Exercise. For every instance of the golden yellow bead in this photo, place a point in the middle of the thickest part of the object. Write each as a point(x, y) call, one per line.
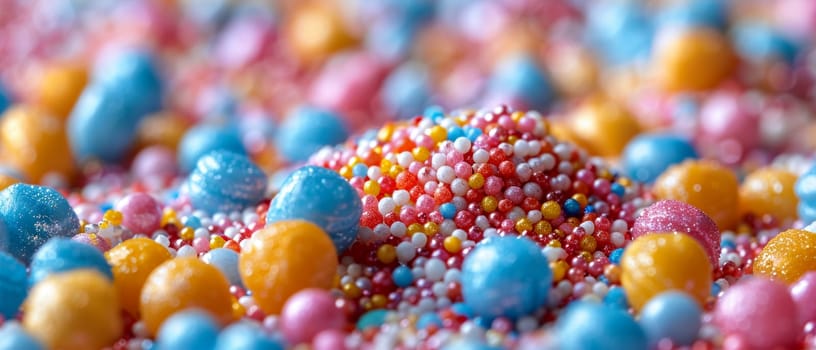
point(351, 290)
point(104, 224)
point(385, 133)
point(238, 310)
point(588, 243)
point(438, 133)
point(421, 154)
point(581, 199)
point(354, 161)
point(372, 188)
point(414, 228)
point(543, 228)
point(379, 301)
point(386, 253)
point(523, 224)
point(554, 243)
point(559, 269)
point(394, 171)
point(431, 228)
point(476, 181)
point(452, 244)
point(168, 215)
point(113, 217)
point(187, 233)
point(216, 242)
point(550, 210)
point(345, 171)
point(490, 204)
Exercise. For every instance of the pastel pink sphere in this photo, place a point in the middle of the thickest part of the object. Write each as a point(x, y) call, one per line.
point(309, 312)
point(141, 213)
point(675, 216)
point(728, 129)
point(330, 339)
point(804, 294)
point(760, 312)
point(155, 162)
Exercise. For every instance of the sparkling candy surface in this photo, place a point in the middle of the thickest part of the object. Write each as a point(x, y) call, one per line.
point(224, 182)
point(769, 192)
point(673, 216)
point(655, 263)
point(706, 185)
point(205, 138)
point(788, 256)
point(132, 261)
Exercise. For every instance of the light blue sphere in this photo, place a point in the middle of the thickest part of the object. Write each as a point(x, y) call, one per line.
point(103, 124)
point(225, 182)
point(135, 74)
point(323, 197)
point(189, 329)
point(596, 326)
point(246, 336)
point(5, 99)
point(805, 189)
point(33, 215)
point(308, 129)
point(695, 13)
point(14, 337)
point(62, 254)
point(761, 42)
point(621, 31)
point(205, 138)
point(506, 276)
point(521, 77)
point(649, 155)
point(226, 260)
point(13, 286)
point(407, 90)
point(671, 315)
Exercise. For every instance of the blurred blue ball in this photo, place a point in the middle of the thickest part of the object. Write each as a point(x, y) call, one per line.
point(429, 319)
point(468, 344)
point(649, 155)
point(135, 74)
point(33, 214)
point(506, 277)
point(205, 138)
point(189, 329)
point(5, 99)
point(225, 182)
point(103, 124)
point(61, 254)
point(758, 42)
point(616, 297)
point(306, 130)
point(14, 337)
point(226, 260)
point(323, 197)
point(595, 326)
point(407, 90)
point(805, 189)
point(246, 336)
point(13, 286)
point(521, 77)
point(695, 13)
point(672, 315)
point(391, 39)
point(372, 319)
point(621, 31)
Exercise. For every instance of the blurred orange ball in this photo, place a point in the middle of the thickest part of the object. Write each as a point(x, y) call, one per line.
point(573, 69)
point(602, 127)
point(656, 263)
point(35, 143)
point(707, 185)
point(132, 262)
point(184, 283)
point(163, 129)
point(58, 88)
point(692, 60)
point(788, 256)
point(75, 310)
point(6, 181)
point(769, 191)
point(316, 30)
point(285, 258)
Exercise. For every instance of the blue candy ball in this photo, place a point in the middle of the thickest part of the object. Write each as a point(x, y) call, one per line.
point(225, 182)
point(671, 315)
point(594, 326)
point(61, 254)
point(5, 99)
point(133, 73)
point(13, 286)
point(506, 277)
point(520, 76)
point(226, 260)
point(391, 39)
point(246, 336)
point(407, 90)
point(190, 329)
point(33, 214)
point(14, 337)
point(695, 13)
point(205, 138)
point(621, 31)
point(402, 276)
point(372, 319)
point(760, 42)
point(805, 189)
point(307, 130)
point(429, 319)
point(616, 297)
point(649, 155)
point(468, 344)
point(323, 197)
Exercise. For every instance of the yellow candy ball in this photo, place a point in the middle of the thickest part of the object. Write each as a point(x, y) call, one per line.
point(707, 185)
point(788, 256)
point(35, 143)
point(655, 263)
point(769, 191)
point(59, 88)
point(184, 283)
point(132, 262)
point(692, 60)
point(74, 310)
point(602, 127)
point(284, 258)
point(315, 31)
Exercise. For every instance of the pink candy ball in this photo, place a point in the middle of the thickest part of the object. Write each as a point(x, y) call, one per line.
point(140, 213)
point(676, 216)
point(759, 312)
point(330, 339)
point(308, 313)
point(728, 129)
point(155, 162)
point(804, 294)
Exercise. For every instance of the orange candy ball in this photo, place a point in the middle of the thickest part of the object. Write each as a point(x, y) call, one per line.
point(788, 256)
point(74, 310)
point(692, 60)
point(769, 191)
point(35, 143)
point(59, 87)
point(7, 180)
point(284, 258)
point(602, 127)
point(185, 283)
point(132, 262)
point(707, 185)
point(659, 262)
point(316, 30)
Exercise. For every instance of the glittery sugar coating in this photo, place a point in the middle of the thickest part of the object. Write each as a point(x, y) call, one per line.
point(788, 256)
point(321, 196)
point(223, 181)
point(33, 214)
point(675, 216)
